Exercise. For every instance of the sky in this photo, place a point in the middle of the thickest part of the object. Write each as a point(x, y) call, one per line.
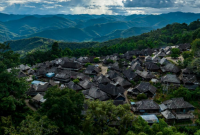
point(111, 7)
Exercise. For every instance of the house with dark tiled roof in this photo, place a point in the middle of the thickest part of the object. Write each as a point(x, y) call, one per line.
point(86, 84)
point(83, 60)
point(21, 74)
point(145, 75)
point(62, 77)
point(170, 67)
point(184, 47)
point(92, 70)
point(112, 74)
point(146, 107)
point(156, 59)
point(40, 88)
point(150, 66)
point(144, 87)
point(73, 86)
point(115, 67)
point(136, 66)
point(96, 93)
point(164, 62)
point(148, 59)
point(181, 109)
point(111, 89)
point(130, 75)
point(122, 82)
point(101, 79)
point(71, 65)
point(170, 78)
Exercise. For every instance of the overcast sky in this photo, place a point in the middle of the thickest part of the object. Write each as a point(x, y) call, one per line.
point(116, 7)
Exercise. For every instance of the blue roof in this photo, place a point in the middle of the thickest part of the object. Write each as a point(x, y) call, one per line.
point(35, 82)
point(150, 118)
point(132, 103)
point(50, 75)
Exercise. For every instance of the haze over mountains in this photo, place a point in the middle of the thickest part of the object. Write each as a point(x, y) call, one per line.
point(80, 28)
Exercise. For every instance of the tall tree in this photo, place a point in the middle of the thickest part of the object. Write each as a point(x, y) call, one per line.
point(64, 108)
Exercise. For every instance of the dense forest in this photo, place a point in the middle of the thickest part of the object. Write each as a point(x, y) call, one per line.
point(172, 34)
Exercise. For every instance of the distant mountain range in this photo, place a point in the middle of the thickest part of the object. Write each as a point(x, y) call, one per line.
point(83, 28)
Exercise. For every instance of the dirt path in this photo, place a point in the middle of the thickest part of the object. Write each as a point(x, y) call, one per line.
point(125, 94)
point(32, 108)
point(103, 68)
point(175, 60)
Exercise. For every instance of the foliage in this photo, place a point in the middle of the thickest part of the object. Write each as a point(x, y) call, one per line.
point(196, 47)
point(195, 66)
point(187, 54)
point(76, 81)
point(175, 52)
point(96, 60)
point(32, 126)
point(141, 96)
point(101, 115)
point(64, 108)
point(12, 88)
point(134, 57)
point(87, 64)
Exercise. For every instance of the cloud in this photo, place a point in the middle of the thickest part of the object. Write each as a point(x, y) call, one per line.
point(123, 7)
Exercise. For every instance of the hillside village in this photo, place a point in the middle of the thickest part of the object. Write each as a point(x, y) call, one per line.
point(141, 78)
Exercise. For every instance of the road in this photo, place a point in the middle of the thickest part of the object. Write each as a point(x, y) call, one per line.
point(103, 68)
point(175, 60)
point(32, 108)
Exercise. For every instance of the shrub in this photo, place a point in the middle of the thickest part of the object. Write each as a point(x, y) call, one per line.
point(76, 81)
point(96, 60)
point(87, 64)
point(141, 96)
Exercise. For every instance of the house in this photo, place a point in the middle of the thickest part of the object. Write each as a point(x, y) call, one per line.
point(184, 47)
point(151, 66)
point(120, 97)
point(170, 68)
point(111, 89)
point(130, 75)
point(96, 93)
point(86, 84)
point(186, 71)
point(24, 67)
point(21, 74)
point(83, 60)
point(150, 119)
point(148, 59)
point(37, 100)
point(40, 87)
point(161, 54)
point(171, 79)
point(181, 109)
point(41, 72)
point(146, 107)
point(169, 116)
point(72, 65)
point(156, 59)
point(62, 77)
point(137, 60)
point(145, 75)
point(92, 70)
point(112, 74)
point(115, 66)
point(122, 82)
point(136, 66)
point(189, 79)
point(101, 79)
point(118, 102)
point(164, 62)
point(73, 86)
point(146, 88)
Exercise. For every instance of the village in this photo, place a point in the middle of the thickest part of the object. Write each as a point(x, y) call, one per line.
point(136, 78)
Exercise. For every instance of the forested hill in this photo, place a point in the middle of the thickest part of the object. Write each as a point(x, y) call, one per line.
point(85, 28)
point(172, 34)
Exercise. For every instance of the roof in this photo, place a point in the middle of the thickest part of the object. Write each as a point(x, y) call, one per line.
point(136, 66)
point(121, 81)
point(145, 74)
point(74, 86)
point(151, 66)
point(112, 74)
point(96, 93)
point(170, 68)
point(150, 118)
point(129, 74)
point(111, 89)
point(146, 86)
point(101, 79)
point(168, 115)
point(163, 107)
point(147, 105)
point(39, 98)
point(91, 69)
point(164, 61)
point(70, 64)
point(86, 84)
point(169, 78)
point(156, 59)
point(118, 102)
point(148, 58)
point(177, 103)
point(188, 78)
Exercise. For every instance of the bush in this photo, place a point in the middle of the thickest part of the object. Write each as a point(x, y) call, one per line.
point(141, 96)
point(76, 81)
point(175, 52)
point(134, 57)
point(109, 61)
point(96, 60)
point(87, 64)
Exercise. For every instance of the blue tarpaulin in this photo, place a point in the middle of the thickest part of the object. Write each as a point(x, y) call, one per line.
point(50, 75)
point(35, 82)
point(150, 118)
